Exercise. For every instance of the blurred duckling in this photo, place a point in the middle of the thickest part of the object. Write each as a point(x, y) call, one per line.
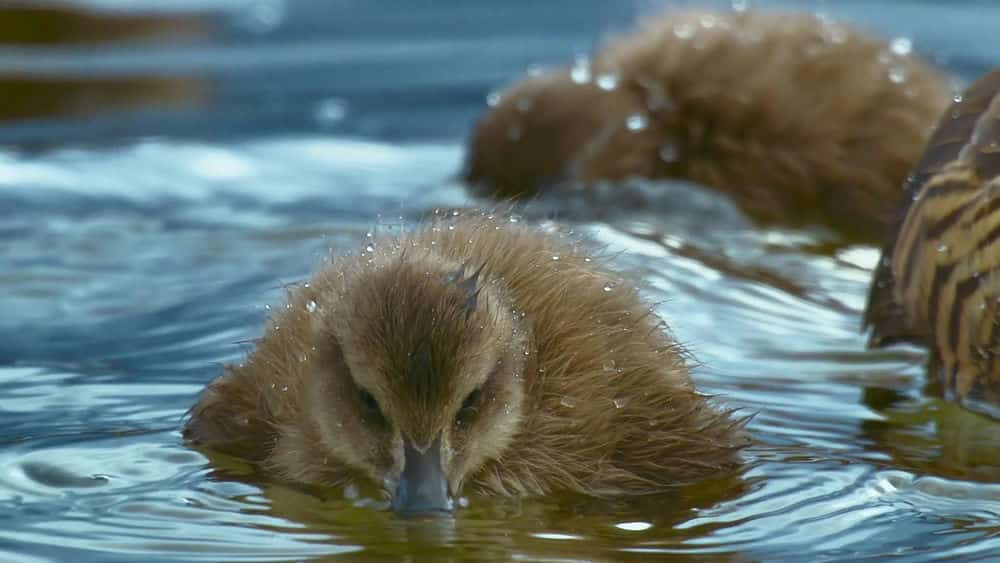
point(798, 119)
point(475, 354)
point(938, 283)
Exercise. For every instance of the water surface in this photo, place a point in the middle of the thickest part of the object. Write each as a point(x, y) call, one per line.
point(160, 187)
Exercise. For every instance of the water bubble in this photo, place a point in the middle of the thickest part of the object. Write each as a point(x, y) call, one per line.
point(555, 258)
point(902, 46)
point(493, 99)
point(708, 21)
point(568, 402)
point(311, 306)
point(369, 248)
point(956, 98)
point(943, 248)
point(607, 81)
point(580, 73)
point(636, 122)
point(740, 5)
point(607, 288)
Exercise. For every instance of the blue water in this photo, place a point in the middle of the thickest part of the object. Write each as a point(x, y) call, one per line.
point(142, 241)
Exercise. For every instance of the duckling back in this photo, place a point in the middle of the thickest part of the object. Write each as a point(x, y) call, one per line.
point(799, 120)
point(938, 283)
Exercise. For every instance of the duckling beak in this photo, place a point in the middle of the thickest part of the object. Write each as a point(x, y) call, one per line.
point(423, 487)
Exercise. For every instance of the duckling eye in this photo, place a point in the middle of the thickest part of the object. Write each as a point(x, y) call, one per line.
point(368, 400)
point(469, 407)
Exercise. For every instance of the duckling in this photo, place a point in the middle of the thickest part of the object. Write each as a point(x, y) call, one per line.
point(476, 354)
point(798, 119)
point(938, 283)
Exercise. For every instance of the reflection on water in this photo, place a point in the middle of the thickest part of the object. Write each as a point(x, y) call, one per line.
point(130, 273)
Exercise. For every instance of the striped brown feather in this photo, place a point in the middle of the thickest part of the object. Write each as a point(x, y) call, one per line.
point(883, 314)
point(938, 283)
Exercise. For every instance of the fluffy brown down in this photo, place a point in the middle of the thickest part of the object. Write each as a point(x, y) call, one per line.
point(603, 402)
point(800, 120)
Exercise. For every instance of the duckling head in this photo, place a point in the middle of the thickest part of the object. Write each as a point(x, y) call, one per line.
point(419, 378)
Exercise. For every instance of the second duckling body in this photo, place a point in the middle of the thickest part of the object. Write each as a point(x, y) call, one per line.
point(478, 354)
point(798, 119)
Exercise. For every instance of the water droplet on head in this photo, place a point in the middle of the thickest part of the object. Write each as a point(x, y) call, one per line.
point(897, 74)
point(607, 288)
point(369, 248)
point(580, 73)
point(311, 306)
point(493, 99)
point(607, 81)
point(668, 153)
point(835, 34)
point(636, 122)
point(956, 98)
point(901, 46)
point(568, 402)
point(555, 258)
point(943, 248)
point(619, 402)
point(684, 31)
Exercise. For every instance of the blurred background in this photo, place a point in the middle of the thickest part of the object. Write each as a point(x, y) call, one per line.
point(97, 70)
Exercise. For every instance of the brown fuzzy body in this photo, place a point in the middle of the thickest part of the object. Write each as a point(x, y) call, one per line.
point(797, 119)
point(938, 283)
point(608, 405)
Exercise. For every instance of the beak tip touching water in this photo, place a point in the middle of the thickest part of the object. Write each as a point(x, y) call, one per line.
point(422, 489)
